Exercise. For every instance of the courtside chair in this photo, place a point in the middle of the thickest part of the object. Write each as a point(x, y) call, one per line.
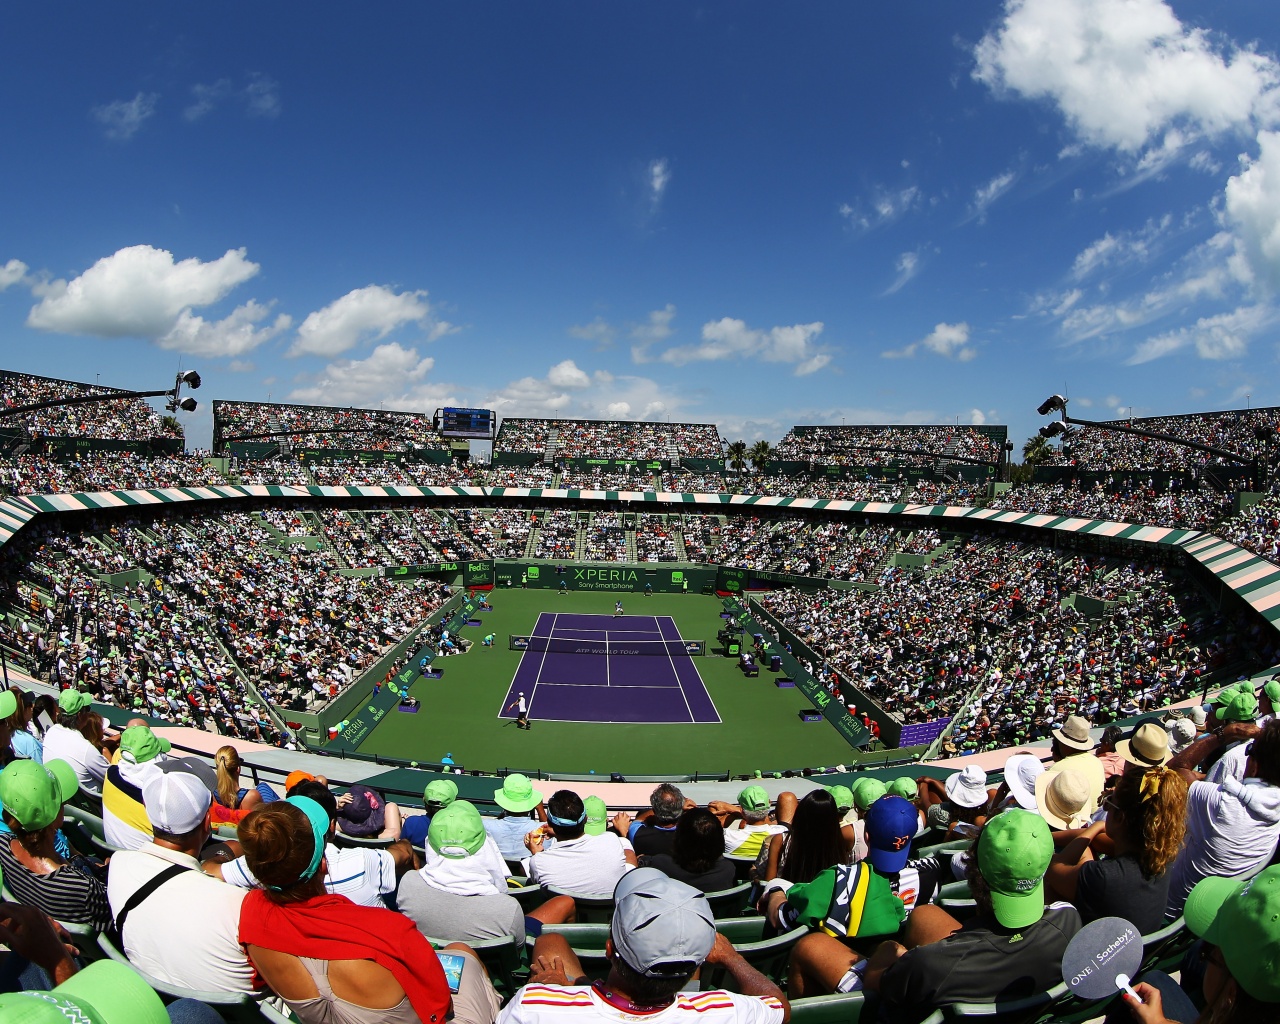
point(239, 1008)
point(591, 909)
point(840, 1008)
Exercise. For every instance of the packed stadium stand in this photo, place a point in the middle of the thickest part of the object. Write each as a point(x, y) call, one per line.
point(1091, 664)
point(323, 427)
point(126, 419)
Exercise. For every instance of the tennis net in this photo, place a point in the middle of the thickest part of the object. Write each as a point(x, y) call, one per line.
point(613, 648)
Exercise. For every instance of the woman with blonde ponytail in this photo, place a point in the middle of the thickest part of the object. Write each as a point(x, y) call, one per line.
point(1146, 820)
point(230, 794)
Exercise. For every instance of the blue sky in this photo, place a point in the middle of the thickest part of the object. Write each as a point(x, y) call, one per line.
point(752, 214)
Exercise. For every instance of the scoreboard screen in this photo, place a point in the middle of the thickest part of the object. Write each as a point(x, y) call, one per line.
point(473, 423)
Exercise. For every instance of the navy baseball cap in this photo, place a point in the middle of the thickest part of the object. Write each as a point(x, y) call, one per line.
point(892, 823)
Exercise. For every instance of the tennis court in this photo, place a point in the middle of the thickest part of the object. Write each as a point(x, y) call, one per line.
point(604, 668)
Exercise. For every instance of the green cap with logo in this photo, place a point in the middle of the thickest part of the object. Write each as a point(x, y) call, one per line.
point(34, 793)
point(440, 793)
point(842, 795)
point(597, 816)
point(74, 701)
point(1271, 688)
point(905, 787)
point(1243, 920)
point(456, 831)
point(1236, 705)
point(1014, 851)
point(754, 800)
point(105, 992)
point(867, 791)
point(138, 745)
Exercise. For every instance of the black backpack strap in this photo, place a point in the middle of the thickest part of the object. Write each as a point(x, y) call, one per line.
point(173, 871)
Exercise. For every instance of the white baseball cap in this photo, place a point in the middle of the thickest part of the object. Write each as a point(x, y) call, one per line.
point(176, 802)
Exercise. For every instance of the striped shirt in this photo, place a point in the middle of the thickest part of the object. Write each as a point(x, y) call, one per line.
point(363, 876)
point(572, 1004)
point(66, 895)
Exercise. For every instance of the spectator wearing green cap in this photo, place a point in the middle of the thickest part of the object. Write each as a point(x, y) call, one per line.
point(64, 740)
point(124, 818)
point(1012, 948)
point(1239, 922)
point(746, 824)
point(440, 793)
point(68, 890)
point(1232, 826)
point(522, 813)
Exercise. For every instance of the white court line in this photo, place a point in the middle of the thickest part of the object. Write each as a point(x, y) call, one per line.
point(640, 686)
point(538, 678)
point(679, 682)
point(676, 675)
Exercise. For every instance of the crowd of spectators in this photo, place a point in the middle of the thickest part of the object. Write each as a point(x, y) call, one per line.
point(912, 446)
point(1197, 508)
point(596, 480)
point(605, 539)
point(609, 439)
point(351, 429)
point(125, 419)
point(657, 540)
point(104, 471)
point(557, 534)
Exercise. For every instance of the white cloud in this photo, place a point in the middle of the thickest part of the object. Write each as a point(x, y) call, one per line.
point(1124, 73)
point(363, 314)
point(948, 340)
point(139, 291)
point(390, 374)
point(729, 338)
point(599, 331)
point(976, 417)
point(883, 206)
point(121, 119)
point(234, 335)
point(205, 97)
point(567, 375)
point(11, 273)
point(985, 195)
point(1253, 210)
point(262, 96)
point(658, 179)
point(656, 328)
point(1224, 336)
point(907, 266)
point(1121, 248)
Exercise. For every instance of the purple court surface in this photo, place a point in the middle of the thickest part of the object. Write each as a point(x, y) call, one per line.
point(663, 688)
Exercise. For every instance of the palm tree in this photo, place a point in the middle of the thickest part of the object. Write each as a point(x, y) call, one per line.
point(1036, 451)
point(760, 455)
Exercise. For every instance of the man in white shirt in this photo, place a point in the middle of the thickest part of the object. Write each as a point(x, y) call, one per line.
point(362, 875)
point(186, 930)
point(580, 863)
point(64, 742)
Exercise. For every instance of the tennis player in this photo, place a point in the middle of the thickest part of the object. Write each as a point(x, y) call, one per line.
point(522, 711)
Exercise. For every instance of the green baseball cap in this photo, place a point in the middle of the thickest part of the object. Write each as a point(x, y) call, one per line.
point(867, 791)
point(138, 745)
point(842, 795)
point(597, 816)
point(1236, 706)
point(8, 703)
point(754, 800)
point(1271, 688)
point(905, 787)
point(72, 701)
point(456, 831)
point(517, 794)
point(1243, 920)
point(34, 794)
point(441, 792)
point(105, 992)
point(1013, 854)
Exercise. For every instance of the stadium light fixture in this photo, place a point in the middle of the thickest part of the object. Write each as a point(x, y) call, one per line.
point(1054, 403)
point(1054, 429)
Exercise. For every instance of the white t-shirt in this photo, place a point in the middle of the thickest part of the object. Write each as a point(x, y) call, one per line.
point(363, 876)
point(1232, 763)
point(63, 744)
point(590, 865)
point(574, 1004)
point(185, 933)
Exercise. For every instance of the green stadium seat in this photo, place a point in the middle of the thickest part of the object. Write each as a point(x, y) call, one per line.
point(840, 1008)
point(729, 902)
point(530, 897)
point(237, 1009)
point(591, 909)
point(1166, 946)
point(586, 941)
point(768, 956)
point(343, 841)
point(90, 828)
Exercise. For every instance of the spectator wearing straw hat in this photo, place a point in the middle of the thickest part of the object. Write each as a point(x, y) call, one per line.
point(1232, 826)
point(1072, 749)
point(1011, 949)
point(439, 794)
point(522, 813)
point(1147, 747)
point(1061, 798)
point(1240, 925)
point(661, 932)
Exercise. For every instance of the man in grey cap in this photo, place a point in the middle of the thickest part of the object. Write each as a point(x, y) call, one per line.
point(662, 932)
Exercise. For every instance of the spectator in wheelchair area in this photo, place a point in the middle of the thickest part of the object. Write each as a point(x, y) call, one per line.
point(662, 931)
